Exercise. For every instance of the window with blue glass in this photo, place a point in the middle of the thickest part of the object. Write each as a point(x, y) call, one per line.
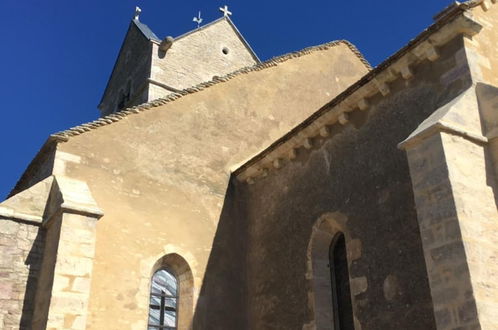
point(163, 301)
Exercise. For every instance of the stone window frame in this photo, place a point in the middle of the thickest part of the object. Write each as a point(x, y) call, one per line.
point(179, 267)
point(320, 302)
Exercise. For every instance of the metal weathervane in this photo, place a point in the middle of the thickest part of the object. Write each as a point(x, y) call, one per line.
point(137, 13)
point(198, 19)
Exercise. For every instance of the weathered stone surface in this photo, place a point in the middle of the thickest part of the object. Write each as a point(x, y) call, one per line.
point(163, 177)
point(219, 128)
point(144, 73)
point(361, 173)
point(21, 247)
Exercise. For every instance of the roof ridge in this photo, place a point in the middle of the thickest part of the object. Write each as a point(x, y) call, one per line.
point(63, 136)
point(146, 30)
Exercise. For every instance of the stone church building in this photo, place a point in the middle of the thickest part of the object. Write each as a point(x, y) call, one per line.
point(310, 191)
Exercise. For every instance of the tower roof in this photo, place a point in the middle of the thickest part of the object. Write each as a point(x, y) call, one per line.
point(147, 32)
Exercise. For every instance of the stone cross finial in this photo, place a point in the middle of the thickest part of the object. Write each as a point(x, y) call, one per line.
point(137, 12)
point(198, 19)
point(225, 11)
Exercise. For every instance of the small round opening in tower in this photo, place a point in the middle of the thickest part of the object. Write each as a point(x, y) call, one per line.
point(225, 50)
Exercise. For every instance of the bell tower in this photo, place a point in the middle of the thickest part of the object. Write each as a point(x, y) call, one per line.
point(149, 68)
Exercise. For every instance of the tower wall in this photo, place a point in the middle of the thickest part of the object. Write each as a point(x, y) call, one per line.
point(128, 84)
point(215, 50)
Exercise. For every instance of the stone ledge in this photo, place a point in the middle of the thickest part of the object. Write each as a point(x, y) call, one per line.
point(10, 214)
point(48, 198)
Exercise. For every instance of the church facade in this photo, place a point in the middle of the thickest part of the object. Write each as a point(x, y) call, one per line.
point(310, 191)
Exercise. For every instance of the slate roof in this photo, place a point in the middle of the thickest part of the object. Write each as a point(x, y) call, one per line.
point(147, 32)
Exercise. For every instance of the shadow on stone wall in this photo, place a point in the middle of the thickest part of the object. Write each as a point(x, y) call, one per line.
point(487, 97)
point(222, 298)
point(33, 263)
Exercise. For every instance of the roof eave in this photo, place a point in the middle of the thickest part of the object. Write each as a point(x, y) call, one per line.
point(450, 16)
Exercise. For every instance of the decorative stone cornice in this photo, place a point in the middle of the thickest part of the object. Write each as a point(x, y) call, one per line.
point(163, 85)
point(8, 213)
point(454, 22)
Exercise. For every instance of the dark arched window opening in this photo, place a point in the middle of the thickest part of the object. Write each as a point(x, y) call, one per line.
point(121, 100)
point(163, 301)
point(339, 276)
point(128, 92)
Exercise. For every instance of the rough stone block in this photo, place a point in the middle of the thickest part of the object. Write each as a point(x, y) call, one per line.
point(81, 284)
point(358, 285)
point(8, 227)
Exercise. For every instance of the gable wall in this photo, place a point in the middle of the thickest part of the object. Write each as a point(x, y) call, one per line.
point(161, 178)
point(198, 57)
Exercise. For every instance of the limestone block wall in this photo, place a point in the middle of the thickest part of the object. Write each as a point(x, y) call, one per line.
point(215, 50)
point(474, 185)
point(63, 294)
point(456, 207)
point(453, 172)
point(447, 263)
point(357, 180)
point(161, 176)
point(47, 239)
point(483, 46)
point(21, 252)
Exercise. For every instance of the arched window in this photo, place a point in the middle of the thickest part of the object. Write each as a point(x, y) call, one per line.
point(128, 91)
point(332, 304)
point(163, 301)
point(339, 278)
point(121, 100)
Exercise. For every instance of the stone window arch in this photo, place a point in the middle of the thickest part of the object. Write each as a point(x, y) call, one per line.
point(328, 272)
point(175, 270)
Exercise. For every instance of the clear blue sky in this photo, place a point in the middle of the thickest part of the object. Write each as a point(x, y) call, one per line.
point(56, 55)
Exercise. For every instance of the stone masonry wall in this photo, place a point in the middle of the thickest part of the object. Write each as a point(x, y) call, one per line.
point(133, 67)
point(454, 181)
point(21, 251)
point(445, 256)
point(483, 46)
point(198, 57)
point(359, 173)
point(67, 285)
point(161, 177)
